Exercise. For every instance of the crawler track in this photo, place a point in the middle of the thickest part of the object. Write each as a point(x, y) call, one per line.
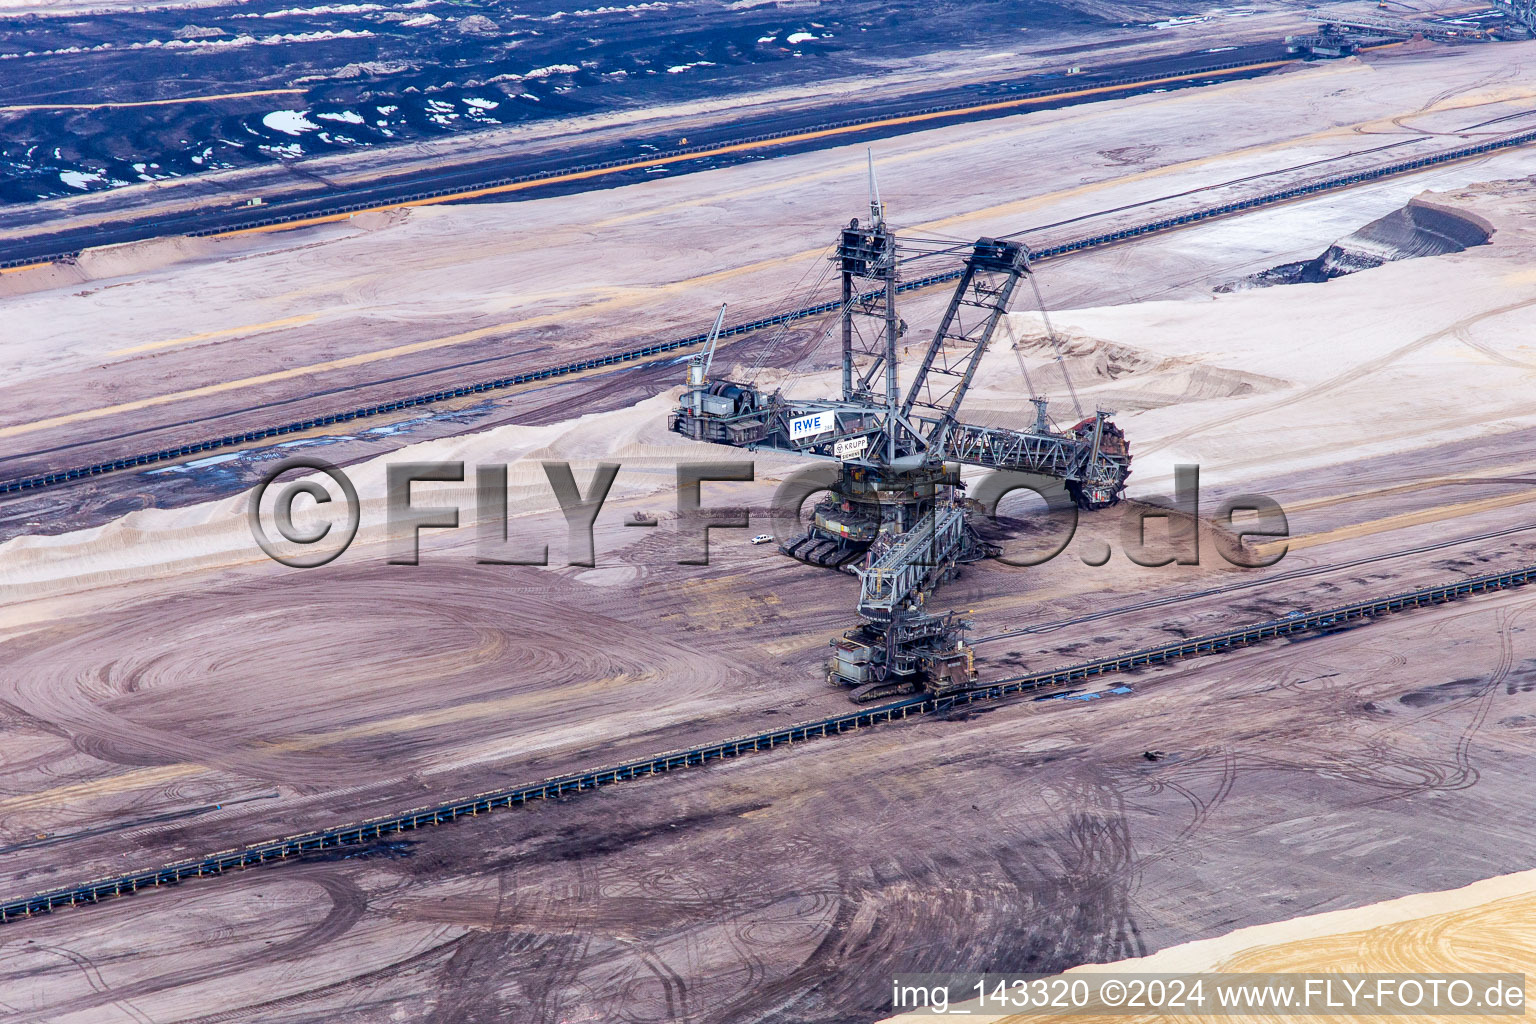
point(54, 478)
point(372, 831)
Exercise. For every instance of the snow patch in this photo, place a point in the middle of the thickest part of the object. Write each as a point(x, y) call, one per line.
point(246, 40)
point(290, 122)
point(553, 69)
point(294, 12)
point(597, 12)
point(81, 179)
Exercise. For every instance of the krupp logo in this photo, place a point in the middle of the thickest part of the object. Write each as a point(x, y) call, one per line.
point(333, 516)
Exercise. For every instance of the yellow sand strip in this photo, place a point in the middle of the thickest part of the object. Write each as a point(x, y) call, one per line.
point(1486, 927)
point(276, 375)
point(1402, 521)
point(78, 791)
point(444, 716)
point(363, 358)
point(144, 778)
point(1509, 470)
point(302, 318)
point(742, 147)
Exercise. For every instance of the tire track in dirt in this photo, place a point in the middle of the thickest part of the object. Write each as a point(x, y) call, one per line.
point(348, 905)
point(299, 1000)
point(1337, 381)
point(439, 664)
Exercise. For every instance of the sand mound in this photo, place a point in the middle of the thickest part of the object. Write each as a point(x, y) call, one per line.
point(1435, 931)
point(1183, 384)
point(137, 257)
point(1485, 927)
point(1142, 379)
point(40, 279)
point(157, 543)
point(1048, 361)
point(1105, 360)
point(109, 261)
point(379, 220)
point(1422, 228)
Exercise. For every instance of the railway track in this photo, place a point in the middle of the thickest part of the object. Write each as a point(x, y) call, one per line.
point(1171, 223)
point(365, 833)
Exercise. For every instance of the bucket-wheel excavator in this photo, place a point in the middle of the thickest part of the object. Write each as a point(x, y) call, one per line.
point(894, 515)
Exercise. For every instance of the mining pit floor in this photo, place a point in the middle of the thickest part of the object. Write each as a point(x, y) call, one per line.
point(169, 691)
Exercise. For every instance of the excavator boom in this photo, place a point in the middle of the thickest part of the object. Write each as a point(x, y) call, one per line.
point(980, 299)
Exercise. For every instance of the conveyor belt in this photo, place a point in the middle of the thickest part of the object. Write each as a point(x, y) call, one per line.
point(424, 196)
point(56, 477)
point(372, 831)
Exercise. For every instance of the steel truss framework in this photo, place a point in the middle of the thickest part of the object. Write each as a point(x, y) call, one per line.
point(894, 503)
